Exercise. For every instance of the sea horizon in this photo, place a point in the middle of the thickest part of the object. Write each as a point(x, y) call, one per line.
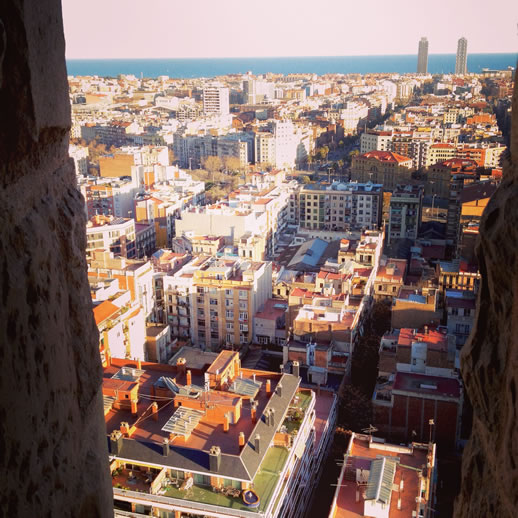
point(184, 68)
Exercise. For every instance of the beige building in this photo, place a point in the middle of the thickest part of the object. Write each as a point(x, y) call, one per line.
point(382, 167)
point(226, 294)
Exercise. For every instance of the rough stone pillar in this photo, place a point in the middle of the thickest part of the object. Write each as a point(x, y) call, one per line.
point(53, 452)
point(490, 358)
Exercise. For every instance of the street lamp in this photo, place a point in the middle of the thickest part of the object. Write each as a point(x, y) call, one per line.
point(433, 200)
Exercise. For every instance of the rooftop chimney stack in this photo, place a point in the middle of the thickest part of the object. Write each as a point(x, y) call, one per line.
point(281, 368)
point(134, 406)
point(268, 387)
point(226, 423)
point(215, 459)
point(254, 412)
point(139, 365)
point(116, 440)
point(241, 440)
point(257, 443)
point(279, 390)
point(154, 410)
point(272, 417)
point(189, 377)
point(165, 447)
point(296, 369)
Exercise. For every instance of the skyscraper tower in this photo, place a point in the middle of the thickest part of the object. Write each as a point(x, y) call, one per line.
point(461, 63)
point(422, 56)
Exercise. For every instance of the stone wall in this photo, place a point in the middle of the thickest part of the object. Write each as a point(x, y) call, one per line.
point(490, 358)
point(53, 454)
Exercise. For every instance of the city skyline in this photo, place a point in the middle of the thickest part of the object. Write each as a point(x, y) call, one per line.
point(125, 31)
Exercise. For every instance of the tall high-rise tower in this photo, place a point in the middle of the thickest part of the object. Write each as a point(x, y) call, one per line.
point(215, 100)
point(422, 56)
point(461, 63)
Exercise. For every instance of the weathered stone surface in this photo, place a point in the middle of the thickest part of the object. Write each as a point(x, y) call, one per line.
point(53, 454)
point(490, 359)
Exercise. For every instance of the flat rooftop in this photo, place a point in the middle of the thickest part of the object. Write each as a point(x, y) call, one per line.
point(361, 455)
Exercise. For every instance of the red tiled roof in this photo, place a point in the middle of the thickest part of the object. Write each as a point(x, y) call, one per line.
point(386, 156)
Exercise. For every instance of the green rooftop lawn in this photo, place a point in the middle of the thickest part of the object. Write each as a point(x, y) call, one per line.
point(264, 484)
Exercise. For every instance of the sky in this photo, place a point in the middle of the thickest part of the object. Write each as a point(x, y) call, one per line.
point(244, 28)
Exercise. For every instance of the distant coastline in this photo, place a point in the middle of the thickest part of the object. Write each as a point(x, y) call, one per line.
point(211, 67)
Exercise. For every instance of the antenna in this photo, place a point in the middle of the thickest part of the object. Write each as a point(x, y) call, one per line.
point(370, 430)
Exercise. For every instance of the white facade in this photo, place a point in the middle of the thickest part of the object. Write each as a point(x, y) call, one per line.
point(216, 100)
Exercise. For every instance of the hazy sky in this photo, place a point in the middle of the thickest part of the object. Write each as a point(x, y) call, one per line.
point(246, 28)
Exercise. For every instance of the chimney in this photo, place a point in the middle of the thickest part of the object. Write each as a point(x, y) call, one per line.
point(154, 410)
point(165, 447)
point(226, 422)
point(266, 416)
point(139, 364)
point(189, 377)
point(180, 365)
point(296, 369)
point(254, 412)
point(272, 417)
point(124, 428)
point(279, 390)
point(268, 387)
point(215, 459)
point(257, 443)
point(241, 440)
point(116, 439)
point(108, 357)
point(253, 376)
point(134, 406)
point(281, 368)
point(425, 330)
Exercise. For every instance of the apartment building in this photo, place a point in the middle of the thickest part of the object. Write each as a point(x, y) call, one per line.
point(132, 275)
point(405, 210)
point(216, 100)
point(382, 167)
point(390, 278)
point(385, 480)
point(439, 176)
point(416, 307)
point(340, 206)
point(205, 437)
point(108, 197)
point(227, 292)
point(116, 235)
point(417, 385)
point(374, 140)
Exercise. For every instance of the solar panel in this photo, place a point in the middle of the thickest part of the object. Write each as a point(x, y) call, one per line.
point(245, 387)
point(381, 478)
point(183, 421)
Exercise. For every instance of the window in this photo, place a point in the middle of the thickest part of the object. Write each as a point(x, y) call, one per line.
point(243, 305)
point(229, 314)
point(243, 316)
point(230, 326)
point(243, 294)
point(229, 293)
point(213, 302)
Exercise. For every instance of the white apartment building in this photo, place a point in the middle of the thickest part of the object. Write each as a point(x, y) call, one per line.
point(216, 100)
point(373, 140)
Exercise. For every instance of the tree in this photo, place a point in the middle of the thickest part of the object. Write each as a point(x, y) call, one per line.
point(232, 163)
point(364, 366)
point(212, 164)
point(354, 409)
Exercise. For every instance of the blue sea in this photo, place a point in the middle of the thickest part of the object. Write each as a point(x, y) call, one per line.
point(205, 67)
